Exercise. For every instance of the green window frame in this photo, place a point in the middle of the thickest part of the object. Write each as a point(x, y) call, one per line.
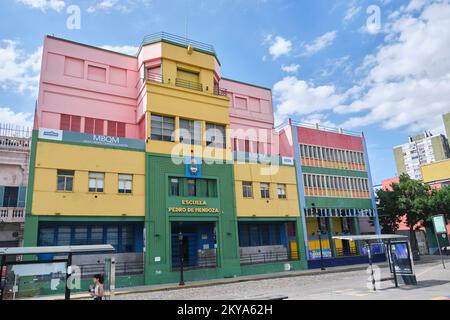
point(64, 180)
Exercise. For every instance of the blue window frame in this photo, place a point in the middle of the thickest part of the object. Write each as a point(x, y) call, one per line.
point(125, 237)
point(262, 234)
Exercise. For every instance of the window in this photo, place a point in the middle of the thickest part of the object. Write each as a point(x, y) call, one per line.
point(247, 190)
point(215, 135)
point(65, 180)
point(175, 187)
point(127, 239)
point(247, 146)
point(96, 181)
point(190, 132)
point(162, 128)
point(116, 129)
point(125, 183)
point(112, 236)
point(265, 190)
point(192, 188)
point(124, 237)
point(70, 123)
point(97, 235)
point(63, 238)
point(211, 188)
point(93, 126)
point(187, 75)
point(80, 236)
point(46, 237)
point(281, 190)
point(154, 73)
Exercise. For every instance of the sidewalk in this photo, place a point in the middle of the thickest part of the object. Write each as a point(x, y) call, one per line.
point(214, 282)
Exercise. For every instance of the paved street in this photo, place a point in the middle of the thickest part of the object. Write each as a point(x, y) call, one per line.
point(434, 283)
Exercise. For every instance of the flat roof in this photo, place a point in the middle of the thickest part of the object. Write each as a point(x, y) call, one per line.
point(371, 237)
point(57, 249)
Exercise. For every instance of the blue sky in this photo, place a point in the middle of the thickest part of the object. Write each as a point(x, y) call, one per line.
point(326, 61)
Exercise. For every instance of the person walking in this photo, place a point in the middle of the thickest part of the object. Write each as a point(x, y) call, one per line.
point(98, 291)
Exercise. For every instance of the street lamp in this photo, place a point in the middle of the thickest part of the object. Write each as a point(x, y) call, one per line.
point(180, 240)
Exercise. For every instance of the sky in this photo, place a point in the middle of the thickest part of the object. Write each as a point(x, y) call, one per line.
point(377, 66)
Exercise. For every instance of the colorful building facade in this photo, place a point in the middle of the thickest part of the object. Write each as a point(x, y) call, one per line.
point(335, 190)
point(162, 157)
point(15, 146)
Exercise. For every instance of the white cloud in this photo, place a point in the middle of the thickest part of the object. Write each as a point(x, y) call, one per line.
point(407, 82)
point(19, 71)
point(131, 50)
point(404, 84)
point(22, 119)
point(123, 6)
point(319, 43)
point(292, 68)
point(352, 11)
point(44, 5)
point(298, 97)
point(278, 46)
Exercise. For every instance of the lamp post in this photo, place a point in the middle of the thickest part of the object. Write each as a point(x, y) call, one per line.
point(180, 240)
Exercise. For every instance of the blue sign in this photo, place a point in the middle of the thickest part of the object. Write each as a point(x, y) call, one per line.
point(193, 167)
point(315, 254)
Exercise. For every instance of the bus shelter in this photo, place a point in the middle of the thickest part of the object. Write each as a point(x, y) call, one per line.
point(29, 264)
point(398, 252)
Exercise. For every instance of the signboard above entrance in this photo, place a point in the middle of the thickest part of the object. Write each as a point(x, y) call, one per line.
point(195, 206)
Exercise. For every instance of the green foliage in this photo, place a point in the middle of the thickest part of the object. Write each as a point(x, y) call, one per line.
point(411, 199)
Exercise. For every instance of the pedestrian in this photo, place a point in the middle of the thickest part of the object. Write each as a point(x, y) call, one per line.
point(97, 292)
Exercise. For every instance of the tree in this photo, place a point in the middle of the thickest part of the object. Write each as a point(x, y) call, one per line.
point(414, 204)
point(387, 209)
point(440, 202)
point(410, 199)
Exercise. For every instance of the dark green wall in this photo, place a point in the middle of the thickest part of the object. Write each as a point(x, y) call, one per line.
point(157, 221)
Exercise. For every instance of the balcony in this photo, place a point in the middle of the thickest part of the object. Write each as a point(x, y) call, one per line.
point(12, 215)
point(191, 85)
point(188, 84)
point(154, 77)
point(219, 91)
point(177, 40)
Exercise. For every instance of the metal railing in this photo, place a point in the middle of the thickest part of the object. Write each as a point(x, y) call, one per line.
point(12, 215)
point(340, 252)
point(219, 91)
point(164, 36)
point(266, 257)
point(122, 269)
point(205, 262)
point(317, 127)
point(14, 131)
point(188, 84)
point(155, 77)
